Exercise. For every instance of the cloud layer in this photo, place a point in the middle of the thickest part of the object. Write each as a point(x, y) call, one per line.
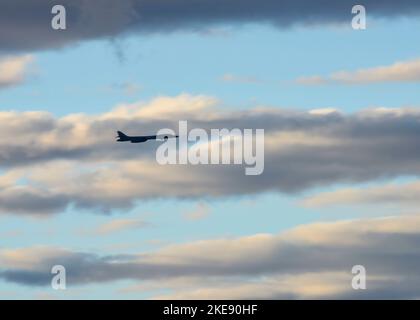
point(302, 150)
point(399, 195)
point(31, 28)
point(405, 71)
point(14, 70)
point(312, 261)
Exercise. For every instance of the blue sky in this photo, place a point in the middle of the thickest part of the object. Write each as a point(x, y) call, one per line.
point(93, 77)
point(181, 62)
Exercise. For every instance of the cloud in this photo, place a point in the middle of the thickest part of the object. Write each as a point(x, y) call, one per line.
point(324, 111)
point(400, 195)
point(119, 225)
point(303, 150)
point(228, 77)
point(14, 70)
point(311, 261)
point(108, 19)
point(125, 88)
point(406, 71)
point(200, 212)
point(30, 200)
point(166, 108)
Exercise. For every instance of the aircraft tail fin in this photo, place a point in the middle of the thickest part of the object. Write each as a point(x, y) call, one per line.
point(122, 136)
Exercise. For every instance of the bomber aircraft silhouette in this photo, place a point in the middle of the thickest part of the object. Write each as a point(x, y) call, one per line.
point(139, 139)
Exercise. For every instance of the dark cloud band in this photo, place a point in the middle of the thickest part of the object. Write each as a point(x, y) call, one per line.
point(26, 25)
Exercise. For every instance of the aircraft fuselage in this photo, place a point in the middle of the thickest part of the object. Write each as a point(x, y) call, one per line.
point(141, 139)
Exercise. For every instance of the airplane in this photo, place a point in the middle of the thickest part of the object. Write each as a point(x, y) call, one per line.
point(139, 139)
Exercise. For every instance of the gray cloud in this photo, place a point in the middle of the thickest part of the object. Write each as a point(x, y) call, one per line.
point(305, 258)
point(25, 25)
point(302, 150)
point(27, 200)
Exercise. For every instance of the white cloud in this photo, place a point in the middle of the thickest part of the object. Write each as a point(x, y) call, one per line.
point(14, 70)
point(404, 71)
point(399, 195)
point(182, 106)
point(119, 225)
point(324, 111)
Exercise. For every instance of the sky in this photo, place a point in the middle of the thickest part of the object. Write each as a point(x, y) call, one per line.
point(340, 110)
